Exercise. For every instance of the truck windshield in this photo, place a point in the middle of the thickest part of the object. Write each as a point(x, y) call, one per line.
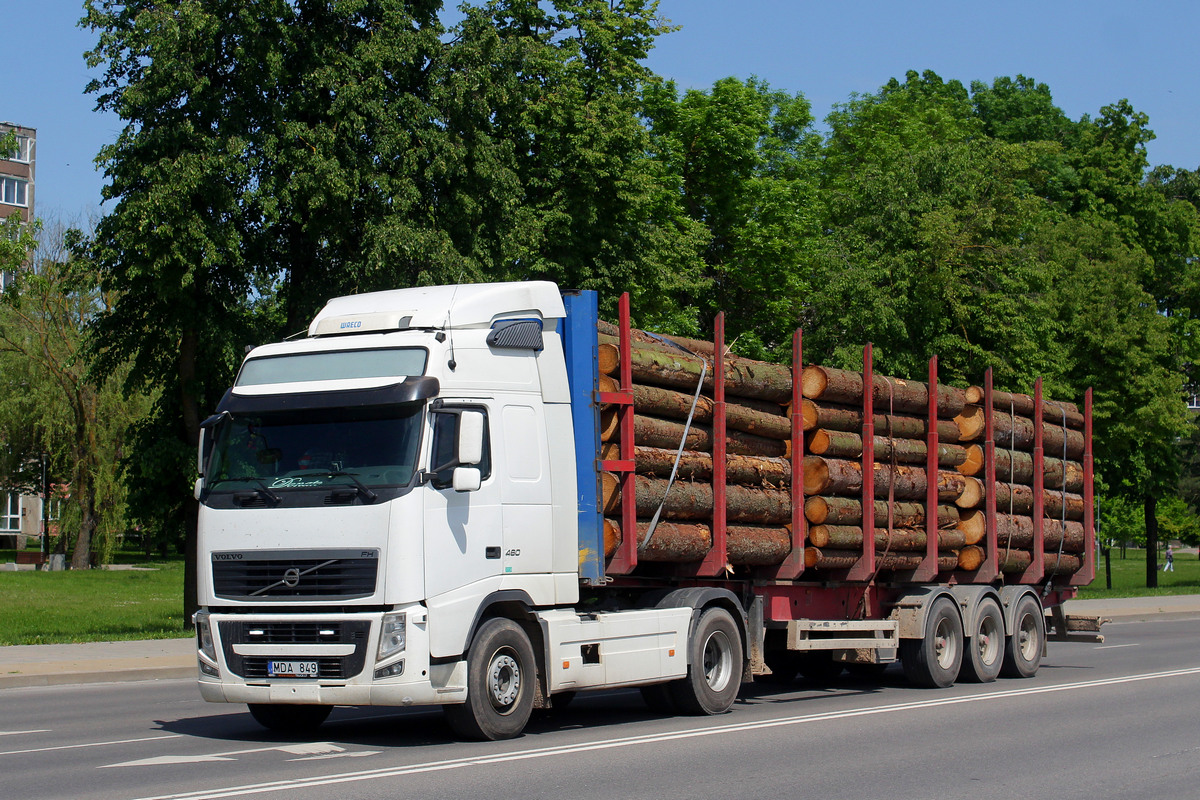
point(360, 447)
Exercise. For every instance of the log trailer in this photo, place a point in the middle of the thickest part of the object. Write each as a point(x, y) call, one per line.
point(414, 506)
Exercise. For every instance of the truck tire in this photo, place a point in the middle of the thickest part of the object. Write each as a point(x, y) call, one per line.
point(1023, 649)
point(289, 718)
point(501, 675)
point(934, 660)
point(985, 648)
point(715, 664)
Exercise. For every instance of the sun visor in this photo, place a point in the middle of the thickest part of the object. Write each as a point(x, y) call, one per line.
point(410, 390)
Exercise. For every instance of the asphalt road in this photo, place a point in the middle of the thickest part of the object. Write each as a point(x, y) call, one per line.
point(1117, 720)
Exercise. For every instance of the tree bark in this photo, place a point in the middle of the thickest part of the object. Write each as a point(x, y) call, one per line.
point(667, 434)
point(1019, 561)
point(1016, 466)
point(1150, 512)
point(835, 476)
point(655, 401)
point(816, 558)
point(1014, 498)
point(743, 377)
point(1018, 432)
point(692, 501)
point(747, 470)
point(848, 511)
point(843, 386)
point(678, 542)
point(844, 444)
point(849, 537)
point(1054, 410)
point(1017, 531)
point(847, 418)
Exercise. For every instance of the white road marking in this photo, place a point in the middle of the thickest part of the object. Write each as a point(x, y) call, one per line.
point(89, 744)
point(302, 749)
point(1115, 646)
point(636, 741)
point(22, 733)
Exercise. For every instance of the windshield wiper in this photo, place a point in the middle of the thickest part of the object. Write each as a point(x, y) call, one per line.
point(363, 489)
point(262, 489)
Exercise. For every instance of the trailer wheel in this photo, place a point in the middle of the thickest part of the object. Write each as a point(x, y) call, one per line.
point(500, 684)
point(289, 718)
point(985, 651)
point(1023, 649)
point(715, 666)
point(934, 660)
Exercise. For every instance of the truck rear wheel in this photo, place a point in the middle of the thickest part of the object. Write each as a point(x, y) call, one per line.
point(289, 718)
point(985, 650)
point(1023, 649)
point(934, 660)
point(715, 665)
point(501, 672)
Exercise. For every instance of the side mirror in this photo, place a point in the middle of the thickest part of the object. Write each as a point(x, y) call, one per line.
point(470, 439)
point(466, 479)
point(200, 452)
point(198, 488)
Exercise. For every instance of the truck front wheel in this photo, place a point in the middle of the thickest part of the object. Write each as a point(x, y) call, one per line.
point(501, 671)
point(715, 665)
point(289, 718)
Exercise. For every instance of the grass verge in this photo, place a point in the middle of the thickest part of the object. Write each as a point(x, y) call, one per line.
point(38, 607)
point(1129, 577)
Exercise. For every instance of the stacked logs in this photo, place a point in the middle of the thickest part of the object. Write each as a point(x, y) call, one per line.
point(758, 432)
point(1014, 432)
point(833, 480)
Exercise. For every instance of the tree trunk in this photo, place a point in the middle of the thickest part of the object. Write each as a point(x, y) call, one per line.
point(655, 401)
point(667, 434)
point(1018, 433)
point(888, 394)
point(1054, 410)
point(745, 545)
point(844, 444)
point(747, 470)
point(1016, 466)
point(850, 537)
point(1015, 498)
point(816, 558)
point(834, 476)
point(190, 407)
point(743, 377)
point(1019, 561)
point(848, 511)
point(693, 501)
point(848, 418)
point(1150, 509)
point(1017, 531)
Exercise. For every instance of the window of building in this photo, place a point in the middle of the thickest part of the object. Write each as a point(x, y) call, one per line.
point(10, 513)
point(14, 191)
point(23, 151)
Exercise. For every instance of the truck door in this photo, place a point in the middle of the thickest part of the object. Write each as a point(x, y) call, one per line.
point(463, 530)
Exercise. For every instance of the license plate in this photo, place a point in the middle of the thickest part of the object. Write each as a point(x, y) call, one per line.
point(291, 669)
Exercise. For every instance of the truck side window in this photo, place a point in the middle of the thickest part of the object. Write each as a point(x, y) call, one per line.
point(445, 435)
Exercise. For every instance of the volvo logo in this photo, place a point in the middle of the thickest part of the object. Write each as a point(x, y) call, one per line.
point(291, 578)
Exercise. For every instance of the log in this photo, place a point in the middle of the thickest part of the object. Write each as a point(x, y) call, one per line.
point(849, 537)
point(835, 476)
point(888, 394)
point(848, 511)
point(971, 558)
point(681, 542)
point(743, 376)
point(654, 401)
point(846, 418)
point(973, 526)
point(844, 444)
point(1020, 560)
point(693, 501)
point(1023, 405)
point(1014, 498)
point(816, 558)
point(1016, 466)
point(1018, 433)
point(667, 434)
point(693, 466)
point(1017, 531)
point(972, 493)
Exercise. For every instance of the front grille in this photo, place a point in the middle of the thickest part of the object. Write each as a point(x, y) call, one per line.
point(330, 574)
point(356, 632)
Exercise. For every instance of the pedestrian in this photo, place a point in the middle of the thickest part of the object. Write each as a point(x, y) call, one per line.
point(1170, 565)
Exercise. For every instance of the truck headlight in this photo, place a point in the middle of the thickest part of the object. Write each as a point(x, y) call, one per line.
point(391, 636)
point(204, 639)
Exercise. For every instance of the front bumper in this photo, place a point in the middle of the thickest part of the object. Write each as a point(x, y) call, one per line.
point(344, 645)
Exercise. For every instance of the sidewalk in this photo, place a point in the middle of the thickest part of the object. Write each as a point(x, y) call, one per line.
point(59, 664)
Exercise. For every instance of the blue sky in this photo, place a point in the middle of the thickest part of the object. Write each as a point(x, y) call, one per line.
point(1089, 53)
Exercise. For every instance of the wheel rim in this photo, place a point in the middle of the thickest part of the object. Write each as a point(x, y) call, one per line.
point(945, 644)
point(718, 661)
point(1027, 637)
point(504, 681)
point(988, 640)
